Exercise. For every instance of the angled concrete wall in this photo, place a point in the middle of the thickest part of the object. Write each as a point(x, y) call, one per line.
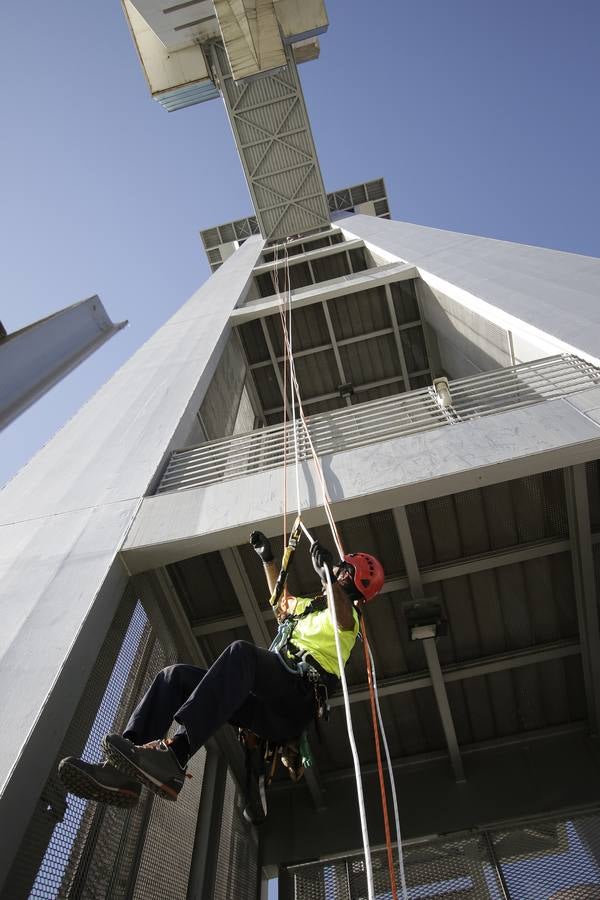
point(63, 519)
point(548, 301)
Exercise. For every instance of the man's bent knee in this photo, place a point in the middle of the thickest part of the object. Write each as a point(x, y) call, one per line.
point(241, 648)
point(170, 673)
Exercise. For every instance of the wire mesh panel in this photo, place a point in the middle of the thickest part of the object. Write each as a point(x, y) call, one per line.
point(452, 869)
point(166, 855)
point(551, 860)
point(237, 858)
point(80, 849)
point(322, 881)
point(458, 869)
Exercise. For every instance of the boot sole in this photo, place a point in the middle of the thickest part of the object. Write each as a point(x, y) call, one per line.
point(86, 787)
point(127, 767)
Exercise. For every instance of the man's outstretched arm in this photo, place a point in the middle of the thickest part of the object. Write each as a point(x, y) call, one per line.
point(262, 547)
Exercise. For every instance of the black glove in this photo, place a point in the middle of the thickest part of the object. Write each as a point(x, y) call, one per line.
point(321, 559)
point(262, 546)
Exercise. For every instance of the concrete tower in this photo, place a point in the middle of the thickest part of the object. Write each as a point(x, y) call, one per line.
point(453, 388)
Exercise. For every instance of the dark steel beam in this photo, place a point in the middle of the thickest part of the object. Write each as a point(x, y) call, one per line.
point(582, 556)
point(429, 645)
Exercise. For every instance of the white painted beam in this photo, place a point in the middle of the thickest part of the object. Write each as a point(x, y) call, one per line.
point(327, 290)
point(35, 358)
point(319, 253)
point(417, 467)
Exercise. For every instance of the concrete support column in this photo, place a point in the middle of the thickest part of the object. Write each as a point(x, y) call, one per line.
point(64, 518)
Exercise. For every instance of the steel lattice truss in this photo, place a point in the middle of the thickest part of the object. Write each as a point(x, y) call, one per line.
point(273, 137)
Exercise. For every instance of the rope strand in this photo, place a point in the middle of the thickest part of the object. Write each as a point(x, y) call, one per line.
point(384, 804)
point(285, 310)
point(351, 738)
point(392, 784)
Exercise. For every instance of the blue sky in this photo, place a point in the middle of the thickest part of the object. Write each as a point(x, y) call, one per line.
point(481, 116)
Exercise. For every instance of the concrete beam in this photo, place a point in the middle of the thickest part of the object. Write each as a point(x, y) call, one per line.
point(328, 290)
point(35, 358)
point(319, 253)
point(305, 239)
point(409, 469)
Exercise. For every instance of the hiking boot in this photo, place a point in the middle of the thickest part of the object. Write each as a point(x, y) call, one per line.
point(98, 781)
point(255, 811)
point(154, 764)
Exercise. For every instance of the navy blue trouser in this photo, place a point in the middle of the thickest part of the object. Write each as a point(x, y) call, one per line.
point(246, 686)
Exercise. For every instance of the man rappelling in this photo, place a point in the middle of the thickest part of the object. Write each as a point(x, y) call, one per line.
point(273, 694)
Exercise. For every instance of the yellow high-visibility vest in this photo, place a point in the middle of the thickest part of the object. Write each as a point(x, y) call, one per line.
point(314, 633)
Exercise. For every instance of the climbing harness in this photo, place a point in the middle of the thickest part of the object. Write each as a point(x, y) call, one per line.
point(283, 639)
point(302, 663)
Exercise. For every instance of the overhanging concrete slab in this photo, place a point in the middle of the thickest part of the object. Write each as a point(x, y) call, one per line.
point(404, 470)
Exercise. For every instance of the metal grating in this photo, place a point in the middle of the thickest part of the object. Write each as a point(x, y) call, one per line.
point(272, 133)
point(378, 420)
point(237, 858)
point(346, 199)
point(75, 848)
point(238, 230)
point(53, 848)
point(458, 869)
point(551, 859)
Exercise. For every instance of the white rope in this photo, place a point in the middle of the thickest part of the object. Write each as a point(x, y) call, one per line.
point(295, 398)
point(288, 340)
point(392, 783)
point(359, 787)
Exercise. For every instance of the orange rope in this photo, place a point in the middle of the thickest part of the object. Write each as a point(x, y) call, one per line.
point(275, 280)
point(335, 532)
point(384, 800)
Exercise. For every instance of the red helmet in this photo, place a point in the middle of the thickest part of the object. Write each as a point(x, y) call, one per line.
point(368, 574)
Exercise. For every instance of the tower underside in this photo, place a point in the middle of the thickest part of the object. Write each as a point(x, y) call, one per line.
point(135, 556)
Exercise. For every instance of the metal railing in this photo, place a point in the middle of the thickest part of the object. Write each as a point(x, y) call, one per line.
point(378, 420)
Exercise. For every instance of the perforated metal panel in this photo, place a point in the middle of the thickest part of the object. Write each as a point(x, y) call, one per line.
point(554, 859)
point(237, 859)
point(457, 869)
point(75, 848)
